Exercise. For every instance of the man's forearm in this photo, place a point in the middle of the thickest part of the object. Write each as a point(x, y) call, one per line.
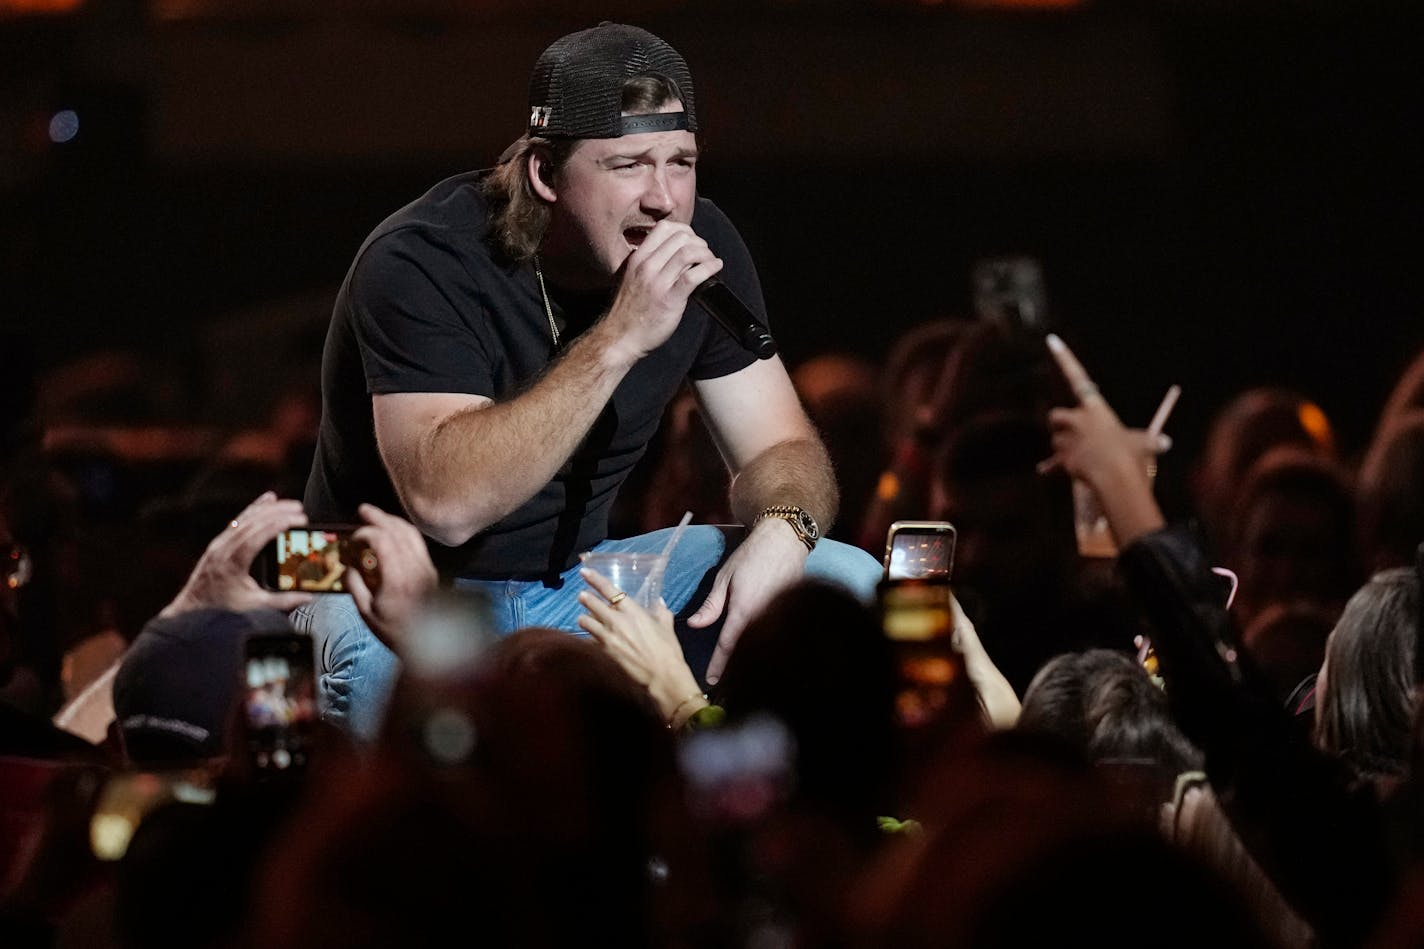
point(481, 463)
point(797, 471)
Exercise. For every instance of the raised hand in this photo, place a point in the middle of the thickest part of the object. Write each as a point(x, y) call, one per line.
point(658, 277)
point(389, 595)
point(223, 578)
point(1092, 444)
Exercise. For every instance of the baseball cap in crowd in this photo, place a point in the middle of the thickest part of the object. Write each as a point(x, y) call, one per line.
point(175, 690)
point(576, 89)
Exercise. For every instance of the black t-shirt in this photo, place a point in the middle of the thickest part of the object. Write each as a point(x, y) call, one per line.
point(430, 306)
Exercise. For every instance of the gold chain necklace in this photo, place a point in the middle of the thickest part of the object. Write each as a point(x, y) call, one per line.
point(548, 308)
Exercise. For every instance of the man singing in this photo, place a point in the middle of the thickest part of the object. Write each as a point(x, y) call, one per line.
point(501, 353)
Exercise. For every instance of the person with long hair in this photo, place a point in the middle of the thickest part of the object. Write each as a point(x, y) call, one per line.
point(503, 349)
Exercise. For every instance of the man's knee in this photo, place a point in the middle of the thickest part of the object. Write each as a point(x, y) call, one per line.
point(356, 672)
point(847, 566)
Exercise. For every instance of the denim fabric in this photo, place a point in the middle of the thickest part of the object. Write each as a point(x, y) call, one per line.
point(356, 672)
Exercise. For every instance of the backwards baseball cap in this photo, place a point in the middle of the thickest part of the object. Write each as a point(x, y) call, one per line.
point(177, 685)
point(576, 90)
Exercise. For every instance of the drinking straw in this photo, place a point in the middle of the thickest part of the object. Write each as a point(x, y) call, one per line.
point(665, 554)
point(1165, 409)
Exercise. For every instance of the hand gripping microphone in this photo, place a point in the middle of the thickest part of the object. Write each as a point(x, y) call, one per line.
point(736, 317)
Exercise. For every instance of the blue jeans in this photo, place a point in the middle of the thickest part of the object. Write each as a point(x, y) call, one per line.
point(356, 672)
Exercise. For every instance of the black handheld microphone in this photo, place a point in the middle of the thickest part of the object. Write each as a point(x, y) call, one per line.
point(735, 316)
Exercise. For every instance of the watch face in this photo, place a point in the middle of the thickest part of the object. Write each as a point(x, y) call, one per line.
point(808, 524)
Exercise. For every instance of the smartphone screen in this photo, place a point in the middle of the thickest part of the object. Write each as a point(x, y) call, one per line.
point(1010, 290)
point(314, 559)
point(916, 550)
point(738, 773)
point(279, 701)
point(917, 617)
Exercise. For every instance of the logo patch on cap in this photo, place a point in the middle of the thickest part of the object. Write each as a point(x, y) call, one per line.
point(539, 116)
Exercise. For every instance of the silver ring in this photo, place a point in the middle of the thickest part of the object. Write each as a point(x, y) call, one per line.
point(617, 598)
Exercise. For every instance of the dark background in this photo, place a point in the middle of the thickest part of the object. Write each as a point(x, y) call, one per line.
point(1221, 194)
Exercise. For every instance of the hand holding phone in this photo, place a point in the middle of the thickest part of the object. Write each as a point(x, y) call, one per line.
point(315, 559)
point(917, 617)
point(919, 550)
point(223, 577)
point(396, 578)
point(279, 712)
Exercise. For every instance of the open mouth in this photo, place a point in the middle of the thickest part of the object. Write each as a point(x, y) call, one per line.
point(636, 235)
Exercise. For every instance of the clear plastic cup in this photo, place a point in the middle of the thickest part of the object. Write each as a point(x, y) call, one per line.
point(1090, 524)
point(638, 574)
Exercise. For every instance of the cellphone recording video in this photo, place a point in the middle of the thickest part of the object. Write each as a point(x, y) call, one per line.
point(917, 617)
point(919, 550)
point(279, 701)
point(315, 559)
point(739, 773)
point(1009, 290)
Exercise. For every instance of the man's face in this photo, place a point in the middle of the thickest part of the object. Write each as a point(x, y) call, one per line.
point(610, 193)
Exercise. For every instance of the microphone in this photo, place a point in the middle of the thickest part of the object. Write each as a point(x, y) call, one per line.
point(736, 317)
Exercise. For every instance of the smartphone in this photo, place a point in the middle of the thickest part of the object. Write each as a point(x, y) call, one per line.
point(279, 711)
point(919, 550)
point(738, 773)
point(917, 617)
point(314, 559)
point(1010, 290)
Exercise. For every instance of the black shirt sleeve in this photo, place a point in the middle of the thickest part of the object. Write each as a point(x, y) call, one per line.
point(414, 313)
point(720, 354)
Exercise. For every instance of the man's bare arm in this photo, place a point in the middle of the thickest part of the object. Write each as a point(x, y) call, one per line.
point(797, 471)
point(776, 457)
point(771, 447)
point(461, 462)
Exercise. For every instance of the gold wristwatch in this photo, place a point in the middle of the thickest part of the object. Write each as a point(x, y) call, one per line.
point(800, 520)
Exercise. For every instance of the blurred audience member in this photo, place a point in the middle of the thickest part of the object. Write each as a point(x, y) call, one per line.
point(1389, 496)
point(560, 793)
point(1104, 708)
point(1366, 697)
point(1023, 843)
point(992, 369)
point(911, 378)
point(1291, 533)
point(1406, 396)
point(1287, 642)
point(840, 391)
point(1017, 569)
point(1243, 430)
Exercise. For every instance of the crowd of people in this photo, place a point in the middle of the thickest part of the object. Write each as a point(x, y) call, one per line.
point(1251, 777)
point(1212, 738)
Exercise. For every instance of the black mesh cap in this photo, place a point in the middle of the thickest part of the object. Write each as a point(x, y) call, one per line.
point(576, 90)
